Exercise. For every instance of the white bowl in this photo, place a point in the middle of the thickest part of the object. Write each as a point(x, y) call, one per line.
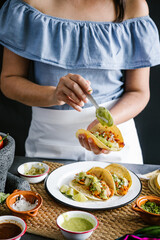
point(33, 178)
point(16, 220)
point(77, 235)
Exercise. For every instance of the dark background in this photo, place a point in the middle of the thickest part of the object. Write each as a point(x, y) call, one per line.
point(15, 117)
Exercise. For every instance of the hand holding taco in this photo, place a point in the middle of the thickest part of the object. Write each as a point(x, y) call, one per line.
point(109, 138)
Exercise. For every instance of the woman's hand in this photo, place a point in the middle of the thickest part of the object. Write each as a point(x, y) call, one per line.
point(89, 143)
point(71, 89)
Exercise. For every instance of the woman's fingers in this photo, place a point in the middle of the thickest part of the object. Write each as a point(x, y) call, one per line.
point(90, 145)
point(72, 90)
point(83, 83)
point(78, 85)
point(73, 104)
point(84, 142)
point(94, 148)
point(72, 96)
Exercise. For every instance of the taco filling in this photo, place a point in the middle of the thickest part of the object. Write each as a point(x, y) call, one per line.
point(109, 139)
point(122, 185)
point(98, 188)
point(121, 177)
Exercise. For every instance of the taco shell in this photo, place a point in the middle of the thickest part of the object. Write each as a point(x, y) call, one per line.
point(100, 129)
point(120, 171)
point(82, 189)
point(104, 175)
point(101, 174)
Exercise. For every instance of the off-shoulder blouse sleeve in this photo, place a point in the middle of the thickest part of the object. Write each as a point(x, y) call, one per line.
point(134, 43)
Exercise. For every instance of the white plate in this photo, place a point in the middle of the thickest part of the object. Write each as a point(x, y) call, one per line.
point(64, 174)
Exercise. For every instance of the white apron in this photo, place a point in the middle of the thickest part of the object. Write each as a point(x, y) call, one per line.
point(52, 135)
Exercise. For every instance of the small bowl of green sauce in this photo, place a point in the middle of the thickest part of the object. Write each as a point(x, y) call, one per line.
point(33, 172)
point(149, 209)
point(77, 225)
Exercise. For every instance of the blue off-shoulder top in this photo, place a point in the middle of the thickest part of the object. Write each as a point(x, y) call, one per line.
point(99, 51)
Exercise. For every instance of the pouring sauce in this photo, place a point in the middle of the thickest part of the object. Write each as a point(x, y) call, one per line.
point(9, 230)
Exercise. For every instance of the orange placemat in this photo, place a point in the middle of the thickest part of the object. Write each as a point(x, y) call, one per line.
point(112, 223)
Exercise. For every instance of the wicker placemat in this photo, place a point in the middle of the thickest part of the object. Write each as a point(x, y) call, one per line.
point(112, 223)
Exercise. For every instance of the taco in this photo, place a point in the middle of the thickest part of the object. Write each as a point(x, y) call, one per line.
point(96, 184)
point(109, 138)
point(122, 178)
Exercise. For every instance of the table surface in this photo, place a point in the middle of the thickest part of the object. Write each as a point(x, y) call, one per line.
point(138, 169)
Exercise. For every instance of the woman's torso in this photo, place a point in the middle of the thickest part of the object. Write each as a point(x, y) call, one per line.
point(106, 84)
point(97, 50)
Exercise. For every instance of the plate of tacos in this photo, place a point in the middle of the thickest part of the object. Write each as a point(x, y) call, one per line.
point(102, 185)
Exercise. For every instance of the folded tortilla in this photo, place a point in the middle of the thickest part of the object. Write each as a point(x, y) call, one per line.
point(101, 174)
point(114, 143)
point(121, 172)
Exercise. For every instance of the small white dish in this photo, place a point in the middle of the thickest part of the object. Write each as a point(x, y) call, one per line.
point(33, 178)
point(73, 235)
point(15, 220)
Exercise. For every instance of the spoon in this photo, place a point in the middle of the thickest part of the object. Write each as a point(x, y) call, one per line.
point(103, 115)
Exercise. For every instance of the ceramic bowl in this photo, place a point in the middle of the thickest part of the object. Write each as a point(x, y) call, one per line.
point(77, 214)
point(16, 220)
point(150, 218)
point(29, 196)
point(33, 178)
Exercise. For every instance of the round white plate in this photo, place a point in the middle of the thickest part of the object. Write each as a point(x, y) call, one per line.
point(64, 174)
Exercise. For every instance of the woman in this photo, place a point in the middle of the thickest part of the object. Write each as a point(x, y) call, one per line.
point(78, 45)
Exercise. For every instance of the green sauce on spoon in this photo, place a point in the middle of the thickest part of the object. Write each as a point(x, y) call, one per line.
point(104, 117)
point(102, 114)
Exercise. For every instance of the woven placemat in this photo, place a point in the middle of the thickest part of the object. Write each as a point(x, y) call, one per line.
point(112, 223)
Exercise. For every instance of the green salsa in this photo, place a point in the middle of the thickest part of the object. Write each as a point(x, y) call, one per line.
point(77, 224)
point(34, 170)
point(104, 116)
point(151, 207)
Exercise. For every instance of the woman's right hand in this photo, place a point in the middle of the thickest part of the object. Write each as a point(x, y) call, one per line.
point(72, 89)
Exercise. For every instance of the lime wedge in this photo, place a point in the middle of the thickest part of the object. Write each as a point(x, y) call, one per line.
point(64, 188)
point(70, 192)
point(80, 197)
point(74, 192)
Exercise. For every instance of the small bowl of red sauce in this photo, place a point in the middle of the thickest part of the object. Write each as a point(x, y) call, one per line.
point(12, 227)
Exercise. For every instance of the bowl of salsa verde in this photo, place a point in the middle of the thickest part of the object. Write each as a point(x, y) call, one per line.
point(149, 209)
point(77, 224)
point(12, 227)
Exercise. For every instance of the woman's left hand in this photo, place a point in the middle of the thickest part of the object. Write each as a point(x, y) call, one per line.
point(89, 143)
